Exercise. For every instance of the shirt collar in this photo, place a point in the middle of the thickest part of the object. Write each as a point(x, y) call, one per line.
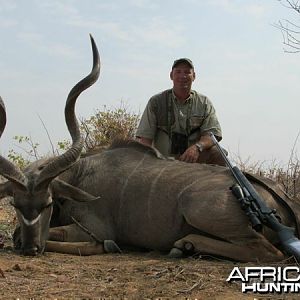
point(186, 101)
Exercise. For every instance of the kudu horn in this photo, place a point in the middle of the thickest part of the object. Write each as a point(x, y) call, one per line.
point(66, 160)
point(8, 169)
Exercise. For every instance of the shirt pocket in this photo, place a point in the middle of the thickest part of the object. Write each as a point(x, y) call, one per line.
point(196, 121)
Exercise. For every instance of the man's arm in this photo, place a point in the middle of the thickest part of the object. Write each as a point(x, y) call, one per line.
point(147, 127)
point(191, 154)
point(205, 142)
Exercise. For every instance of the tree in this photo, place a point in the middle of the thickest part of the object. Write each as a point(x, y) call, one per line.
point(290, 31)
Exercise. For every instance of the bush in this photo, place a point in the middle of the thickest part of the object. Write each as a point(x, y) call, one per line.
point(104, 126)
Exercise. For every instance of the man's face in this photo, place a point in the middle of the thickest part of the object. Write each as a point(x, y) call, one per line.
point(182, 76)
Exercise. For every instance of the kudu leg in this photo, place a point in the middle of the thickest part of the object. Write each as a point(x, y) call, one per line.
point(70, 240)
point(76, 248)
point(258, 250)
point(68, 233)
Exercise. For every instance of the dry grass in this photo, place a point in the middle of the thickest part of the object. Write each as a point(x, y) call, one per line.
point(287, 176)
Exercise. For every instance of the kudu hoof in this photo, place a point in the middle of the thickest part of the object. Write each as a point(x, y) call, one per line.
point(111, 247)
point(175, 253)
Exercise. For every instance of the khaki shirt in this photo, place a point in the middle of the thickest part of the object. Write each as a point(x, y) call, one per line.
point(196, 115)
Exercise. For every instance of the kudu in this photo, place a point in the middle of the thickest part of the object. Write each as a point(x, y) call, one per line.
point(131, 195)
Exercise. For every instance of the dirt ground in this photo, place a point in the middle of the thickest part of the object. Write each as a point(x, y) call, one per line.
point(129, 275)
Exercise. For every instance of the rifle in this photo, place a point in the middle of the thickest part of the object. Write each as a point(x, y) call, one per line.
point(257, 210)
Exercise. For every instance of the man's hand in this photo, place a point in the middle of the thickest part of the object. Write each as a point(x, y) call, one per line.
point(190, 155)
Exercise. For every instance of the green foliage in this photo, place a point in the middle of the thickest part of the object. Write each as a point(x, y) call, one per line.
point(29, 151)
point(17, 159)
point(63, 145)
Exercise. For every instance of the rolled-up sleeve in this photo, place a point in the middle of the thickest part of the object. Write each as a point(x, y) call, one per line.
point(211, 122)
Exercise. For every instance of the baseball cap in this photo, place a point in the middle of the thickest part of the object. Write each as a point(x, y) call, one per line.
point(183, 60)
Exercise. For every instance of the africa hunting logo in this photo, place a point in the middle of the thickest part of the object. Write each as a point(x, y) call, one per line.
point(267, 279)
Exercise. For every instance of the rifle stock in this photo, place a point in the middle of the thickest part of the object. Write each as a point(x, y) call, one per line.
point(257, 210)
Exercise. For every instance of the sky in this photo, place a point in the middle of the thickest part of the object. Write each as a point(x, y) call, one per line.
point(238, 53)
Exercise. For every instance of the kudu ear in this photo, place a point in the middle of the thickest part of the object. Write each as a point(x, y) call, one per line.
point(61, 189)
point(6, 189)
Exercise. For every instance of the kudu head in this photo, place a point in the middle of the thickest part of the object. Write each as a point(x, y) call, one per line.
point(34, 188)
